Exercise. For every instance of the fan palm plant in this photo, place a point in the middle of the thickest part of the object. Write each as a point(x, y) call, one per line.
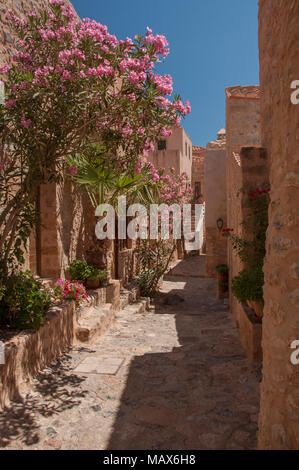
point(104, 181)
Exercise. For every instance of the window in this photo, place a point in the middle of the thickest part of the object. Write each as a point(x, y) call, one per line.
point(186, 149)
point(162, 145)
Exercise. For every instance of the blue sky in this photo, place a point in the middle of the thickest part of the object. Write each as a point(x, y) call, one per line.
point(213, 44)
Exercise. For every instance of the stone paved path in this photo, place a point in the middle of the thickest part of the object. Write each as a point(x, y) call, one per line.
point(174, 378)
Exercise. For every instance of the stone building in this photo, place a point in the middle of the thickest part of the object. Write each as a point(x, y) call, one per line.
point(215, 204)
point(174, 152)
point(279, 67)
point(197, 173)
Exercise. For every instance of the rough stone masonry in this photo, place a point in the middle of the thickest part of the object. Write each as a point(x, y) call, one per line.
point(279, 67)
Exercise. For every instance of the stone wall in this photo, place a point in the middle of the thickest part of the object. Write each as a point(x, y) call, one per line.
point(29, 352)
point(242, 130)
point(127, 265)
point(66, 231)
point(215, 200)
point(177, 155)
point(279, 66)
point(249, 170)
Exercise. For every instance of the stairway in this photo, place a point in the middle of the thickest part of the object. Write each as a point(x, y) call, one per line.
point(96, 319)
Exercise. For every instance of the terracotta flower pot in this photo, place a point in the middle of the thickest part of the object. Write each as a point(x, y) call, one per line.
point(223, 282)
point(92, 283)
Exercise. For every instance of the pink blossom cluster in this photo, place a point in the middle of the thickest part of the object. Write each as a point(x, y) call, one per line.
point(163, 83)
point(5, 68)
point(183, 108)
point(138, 65)
point(67, 55)
point(159, 42)
point(68, 290)
point(166, 132)
point(73, 170)
point(100, 71)
point(148, 148)
point(112, 77)
point(126, 130)
point(98, 33)
point(176, 189)
point(154, 172)
point(25, 122)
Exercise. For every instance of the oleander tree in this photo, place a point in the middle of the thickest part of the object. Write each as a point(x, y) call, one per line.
point(73, 83)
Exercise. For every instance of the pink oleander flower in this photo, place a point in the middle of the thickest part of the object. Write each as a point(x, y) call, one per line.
point(73, 170)
point(166, 132)
point(10, 103)
point(127, 130)
point(26, 122)
point(5, 68)
point(66, 75)
point(24, 85)
point(56, 2)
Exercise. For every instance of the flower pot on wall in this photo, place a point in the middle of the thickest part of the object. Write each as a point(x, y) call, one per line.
point(223, 282)
point(92, 283)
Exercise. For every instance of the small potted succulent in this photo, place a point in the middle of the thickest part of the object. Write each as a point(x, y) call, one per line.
point(222, 270)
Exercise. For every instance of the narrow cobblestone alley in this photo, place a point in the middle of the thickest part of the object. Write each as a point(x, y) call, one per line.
point(172, 378)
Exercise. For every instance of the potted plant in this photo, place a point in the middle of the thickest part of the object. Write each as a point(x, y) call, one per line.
point(95, 277)
point(92, 276)
point(222, 271)
point(77, 270)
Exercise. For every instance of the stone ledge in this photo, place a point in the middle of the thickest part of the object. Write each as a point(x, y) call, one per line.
point(95, 322)
point(28, 352)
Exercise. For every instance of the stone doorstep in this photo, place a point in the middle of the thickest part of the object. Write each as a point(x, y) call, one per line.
point(94, 321)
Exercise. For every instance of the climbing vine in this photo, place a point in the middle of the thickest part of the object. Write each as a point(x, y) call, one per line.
point(248, 284)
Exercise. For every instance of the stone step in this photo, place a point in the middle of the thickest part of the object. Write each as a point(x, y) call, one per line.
point(94, 322)
point(124, 298)
point(141, 306)
point(128, 296)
